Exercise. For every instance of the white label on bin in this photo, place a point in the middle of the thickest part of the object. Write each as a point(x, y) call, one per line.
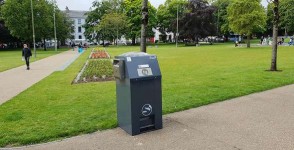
point(143, 66)
point(129, 59)
point(146, 110)
point(144, 72)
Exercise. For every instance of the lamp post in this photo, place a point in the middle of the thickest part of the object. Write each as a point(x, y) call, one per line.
point(177, 34)
point(54, 16)
point(217, 28)
point(33, 26)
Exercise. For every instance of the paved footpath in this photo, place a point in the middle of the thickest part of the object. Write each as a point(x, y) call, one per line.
point(16, 80)
point(261, 121)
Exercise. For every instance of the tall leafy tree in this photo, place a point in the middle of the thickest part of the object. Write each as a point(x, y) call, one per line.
point(167, 14)
point(221, 16)
point(5, 35)
point(17, 17)
point(245, 16)
point(198, 22)
point(132, 9)
point(287, 16)
point(269, 21)
point(64, 26)
point(95, 16)
point(112, 26)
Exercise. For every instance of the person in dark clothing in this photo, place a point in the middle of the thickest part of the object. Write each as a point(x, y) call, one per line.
point(26, 54)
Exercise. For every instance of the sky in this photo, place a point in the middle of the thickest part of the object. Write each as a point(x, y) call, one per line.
point(86, 4)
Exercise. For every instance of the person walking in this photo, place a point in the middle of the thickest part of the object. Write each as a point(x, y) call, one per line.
point(26, 54)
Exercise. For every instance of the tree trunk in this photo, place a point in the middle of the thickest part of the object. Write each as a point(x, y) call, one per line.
point(103, 42)
point(275, 36)
point(144, 25)
point(45, 48)
point(196, 40)
point(248, 41)
point(116, 37)
point(134, 40)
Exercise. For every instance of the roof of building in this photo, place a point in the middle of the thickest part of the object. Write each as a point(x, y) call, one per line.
point(76, 13)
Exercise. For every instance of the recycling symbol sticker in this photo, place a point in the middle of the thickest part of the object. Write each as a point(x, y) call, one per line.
point(146, 110)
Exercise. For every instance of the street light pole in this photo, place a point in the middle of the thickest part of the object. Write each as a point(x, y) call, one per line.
point(217, 28)
point(33, 26)
point(55, 36)
point(177, 34)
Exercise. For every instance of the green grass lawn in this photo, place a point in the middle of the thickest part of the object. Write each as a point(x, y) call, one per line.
point(12, 58)
point(192, 77)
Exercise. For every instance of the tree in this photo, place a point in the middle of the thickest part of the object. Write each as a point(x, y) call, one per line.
point(245, 16)
point(19, 22)
point(112, 26)
point(64, 26)
point(167, 15)
point(94, 17)
point(5, 35)
point(132, 9)
point(275, 34)
point(198, 22)
point(286, 10)
point(221, 16)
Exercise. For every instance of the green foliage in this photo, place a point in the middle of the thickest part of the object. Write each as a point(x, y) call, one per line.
point(198, 21)
point(167, 14)
point(270, 17)
point(286, 10)
point(5, 36)
point(98, 68)
point(192, 76)
point(63, 26)
point(112, 26)
point(132, 9)
point(16, 14)
point(93, 17)
point(245, 16)
point(221, 16)
point(17, 17)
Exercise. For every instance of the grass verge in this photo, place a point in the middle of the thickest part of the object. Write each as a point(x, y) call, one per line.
point(192, 77)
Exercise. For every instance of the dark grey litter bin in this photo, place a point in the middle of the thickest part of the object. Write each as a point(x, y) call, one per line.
point(138, 92)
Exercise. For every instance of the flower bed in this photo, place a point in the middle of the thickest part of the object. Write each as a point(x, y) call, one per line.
point(98, 54)
point(97, 68)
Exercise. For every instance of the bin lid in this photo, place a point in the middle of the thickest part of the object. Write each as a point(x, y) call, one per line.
point(134, 54)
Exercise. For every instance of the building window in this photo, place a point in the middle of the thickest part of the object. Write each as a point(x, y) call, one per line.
point(80, 37)
point(79, 29)
point(79, 21)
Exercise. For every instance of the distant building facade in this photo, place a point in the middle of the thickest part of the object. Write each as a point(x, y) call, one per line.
point(79, 20)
